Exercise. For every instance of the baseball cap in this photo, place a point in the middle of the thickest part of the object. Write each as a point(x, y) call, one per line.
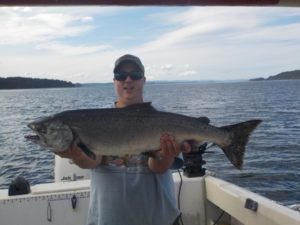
point(131, 59)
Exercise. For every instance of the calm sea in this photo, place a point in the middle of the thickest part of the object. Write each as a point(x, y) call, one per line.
point(272, 160)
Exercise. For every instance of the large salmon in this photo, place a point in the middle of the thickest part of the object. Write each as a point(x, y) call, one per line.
point(136, 129)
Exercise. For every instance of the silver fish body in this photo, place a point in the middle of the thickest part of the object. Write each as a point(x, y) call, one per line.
point(136, 129)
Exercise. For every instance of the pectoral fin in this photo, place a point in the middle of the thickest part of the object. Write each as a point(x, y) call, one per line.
point(86, 150)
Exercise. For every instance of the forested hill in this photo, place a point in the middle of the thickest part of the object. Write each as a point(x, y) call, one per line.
point(290, 75)
point(23, 83)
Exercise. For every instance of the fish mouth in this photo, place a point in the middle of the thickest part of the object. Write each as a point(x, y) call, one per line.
point(36, 138)
point(33, 137)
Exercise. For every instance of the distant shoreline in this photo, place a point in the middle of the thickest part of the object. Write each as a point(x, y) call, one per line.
point(29, 83)
point(36, 83)
point(289, 75)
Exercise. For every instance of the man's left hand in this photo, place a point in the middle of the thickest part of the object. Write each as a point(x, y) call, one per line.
point(170, 147)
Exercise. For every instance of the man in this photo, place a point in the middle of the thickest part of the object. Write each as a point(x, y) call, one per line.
point(136, 189)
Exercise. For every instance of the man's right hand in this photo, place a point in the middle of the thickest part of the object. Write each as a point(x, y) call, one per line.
point(79, 158)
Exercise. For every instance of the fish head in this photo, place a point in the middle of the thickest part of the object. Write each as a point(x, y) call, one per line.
point(53, 133)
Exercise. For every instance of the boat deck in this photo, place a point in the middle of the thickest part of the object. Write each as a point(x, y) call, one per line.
point(203, 200)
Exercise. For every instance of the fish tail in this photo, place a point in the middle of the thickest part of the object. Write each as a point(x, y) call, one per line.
point(239, 135)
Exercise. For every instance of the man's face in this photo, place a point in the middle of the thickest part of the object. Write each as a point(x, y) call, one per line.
point(129, 91)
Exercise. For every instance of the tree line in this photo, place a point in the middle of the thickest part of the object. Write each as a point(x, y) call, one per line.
point(25, 83)
point(289, 75)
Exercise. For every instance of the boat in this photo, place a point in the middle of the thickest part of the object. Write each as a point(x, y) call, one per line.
point(202, 200)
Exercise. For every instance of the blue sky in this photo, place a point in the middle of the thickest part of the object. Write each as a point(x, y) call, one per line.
point(80, 44)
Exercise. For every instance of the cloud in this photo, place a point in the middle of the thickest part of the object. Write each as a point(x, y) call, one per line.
point(192, 43)
point(227, 43)
point(22, 9)
point(20, 27)
point(187, 73)
point(87, 19)
point(167, 67)
point(205, 25)
point(79, 76)
point(66, 49)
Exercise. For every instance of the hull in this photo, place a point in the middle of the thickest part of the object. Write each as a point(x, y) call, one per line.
point(202, 201)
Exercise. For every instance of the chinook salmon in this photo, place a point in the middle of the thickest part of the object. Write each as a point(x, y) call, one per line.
point(136, 129)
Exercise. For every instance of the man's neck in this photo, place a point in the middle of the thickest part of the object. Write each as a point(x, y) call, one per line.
point(122, 104)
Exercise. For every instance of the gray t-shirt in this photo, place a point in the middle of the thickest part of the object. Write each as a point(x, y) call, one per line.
point(124, 191)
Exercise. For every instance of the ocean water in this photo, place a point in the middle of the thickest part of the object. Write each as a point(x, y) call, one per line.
point(272, 159)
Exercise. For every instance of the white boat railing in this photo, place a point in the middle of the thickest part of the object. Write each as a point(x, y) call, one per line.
point(203, 201)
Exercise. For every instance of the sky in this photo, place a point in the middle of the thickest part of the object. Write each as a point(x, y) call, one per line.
point(81, 44)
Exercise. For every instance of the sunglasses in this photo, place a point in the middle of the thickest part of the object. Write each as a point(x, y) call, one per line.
point(135, 75)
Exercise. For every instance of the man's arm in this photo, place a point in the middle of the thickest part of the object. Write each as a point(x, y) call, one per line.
point(79, 158)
